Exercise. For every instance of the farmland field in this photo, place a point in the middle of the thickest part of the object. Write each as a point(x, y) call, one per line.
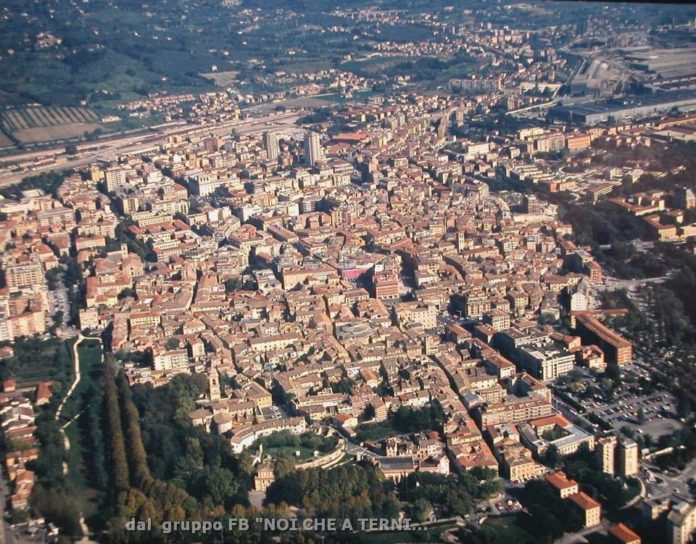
point(222, 79)
point(47, 134)
point(5, 141)
point(43, 124)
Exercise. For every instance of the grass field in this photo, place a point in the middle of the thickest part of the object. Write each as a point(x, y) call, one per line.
point(289, 452)
point(375, 431)
point(505, 529)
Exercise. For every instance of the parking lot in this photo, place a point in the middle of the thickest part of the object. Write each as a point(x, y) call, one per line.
point(652, 414)
point(643, 410)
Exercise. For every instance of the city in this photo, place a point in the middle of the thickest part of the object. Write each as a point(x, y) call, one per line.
point(348, 272)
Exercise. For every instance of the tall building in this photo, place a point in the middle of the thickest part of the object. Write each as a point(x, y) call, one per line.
point(628, 457)
point(684, 198)
point(24, 275)
point(606, 459)
point(270, 142)
point(681, 523)
point(214, 385)
point(617, 349)
point(115, 178)
point(312, 148)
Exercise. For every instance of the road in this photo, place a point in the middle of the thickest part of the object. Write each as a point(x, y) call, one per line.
point(667, 485)
point(6, 536)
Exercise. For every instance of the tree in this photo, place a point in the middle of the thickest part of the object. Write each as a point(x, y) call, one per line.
point(127, 292)
point(368, 413)
point(421, 510)
point(552, 457)
point(233, 284)
point(117, 446)
point(52, 276)
point(344, 385)
point(347, 491)
point(58, 507)
point(282, 466)
point(613, 373)
point(71, 149)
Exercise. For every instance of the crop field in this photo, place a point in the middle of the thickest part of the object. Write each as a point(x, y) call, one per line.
point(41, 124)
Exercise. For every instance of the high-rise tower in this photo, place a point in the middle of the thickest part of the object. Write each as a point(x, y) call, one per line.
point(312, 148)
point(270, 142)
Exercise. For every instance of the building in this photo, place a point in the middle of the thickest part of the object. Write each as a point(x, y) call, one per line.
point(24, 275)
point(513, 409)
point(546, 362)
point(636, 107)
point(579, 302)
point(396, 468)
point(312, 148)
point(270, 143)
point(617, 349)
point(621, 534)
point(578, 142)
point(562, 484)
point(681, 523)
point(115, 178)
point(590, 508)
point(542, 433)
point(264, 476)
point(247, 434)
point(386, 284)
point(416, 313)
point(628, 457)
point(170, 360)
point(684, 198)
point(606, 458)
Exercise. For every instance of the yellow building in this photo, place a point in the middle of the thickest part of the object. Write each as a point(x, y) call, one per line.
point(592, 511)
point(606, 459)
point(628, 457)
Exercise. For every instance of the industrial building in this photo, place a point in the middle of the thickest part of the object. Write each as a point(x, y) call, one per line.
point(635, 107)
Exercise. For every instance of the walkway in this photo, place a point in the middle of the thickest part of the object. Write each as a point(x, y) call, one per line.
point(76, 376)
point(76, 372)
